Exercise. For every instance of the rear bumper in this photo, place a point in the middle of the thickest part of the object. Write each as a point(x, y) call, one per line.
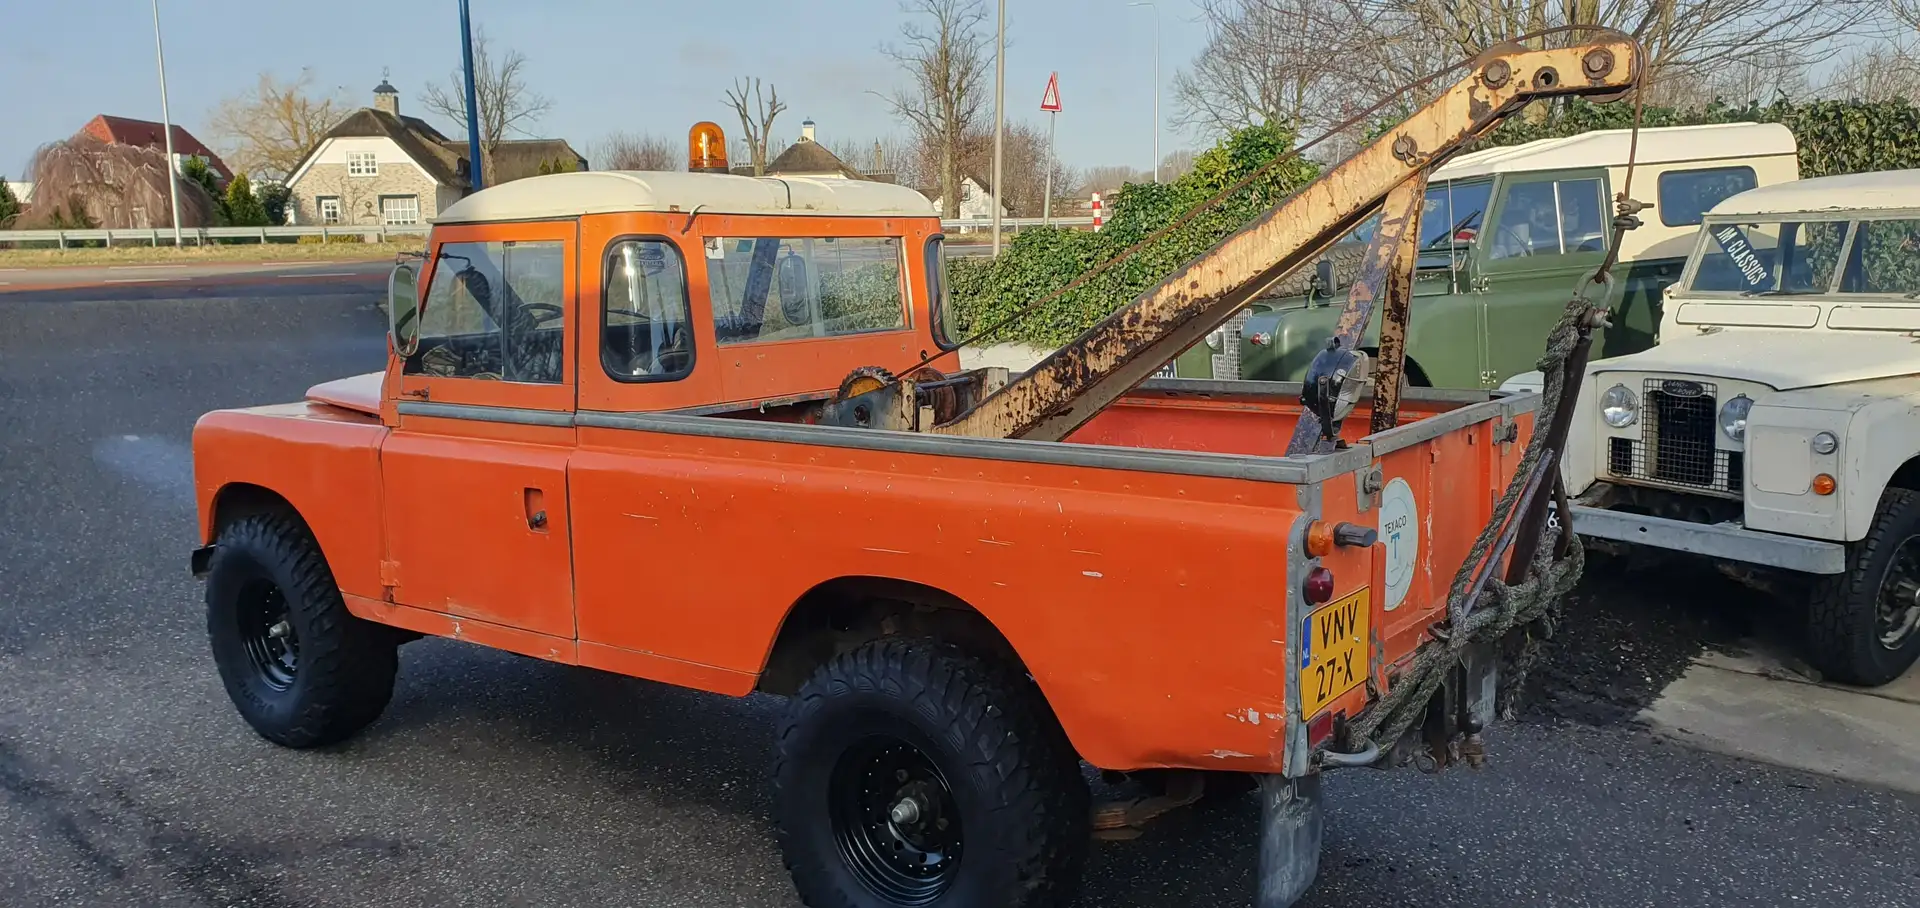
point(1728, 541)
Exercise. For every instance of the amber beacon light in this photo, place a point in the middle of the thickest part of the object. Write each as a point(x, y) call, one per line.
point(706, 148)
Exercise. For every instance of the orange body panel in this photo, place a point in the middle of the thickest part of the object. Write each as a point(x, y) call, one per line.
point(1148, 596)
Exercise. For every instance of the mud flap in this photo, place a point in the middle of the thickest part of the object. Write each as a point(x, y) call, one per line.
point(1291, 822)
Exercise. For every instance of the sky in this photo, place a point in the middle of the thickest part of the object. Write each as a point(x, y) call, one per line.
point(642, 65)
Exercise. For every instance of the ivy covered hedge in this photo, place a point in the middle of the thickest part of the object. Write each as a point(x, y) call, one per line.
point(1834, 137)
point(1042, 260)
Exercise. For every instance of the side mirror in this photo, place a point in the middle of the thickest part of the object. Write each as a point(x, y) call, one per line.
point(403, 309)
point(1323, 277)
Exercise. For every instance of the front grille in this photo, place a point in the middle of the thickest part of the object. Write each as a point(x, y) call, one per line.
point(1680, 423)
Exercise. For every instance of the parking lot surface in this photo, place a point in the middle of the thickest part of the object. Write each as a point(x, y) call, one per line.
point(127, 779)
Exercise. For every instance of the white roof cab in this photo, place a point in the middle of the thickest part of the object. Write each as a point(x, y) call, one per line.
point(1608, 148)
point(604, 192)
point(1887, 190)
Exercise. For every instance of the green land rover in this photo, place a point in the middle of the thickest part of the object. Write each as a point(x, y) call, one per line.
point(1505, 235)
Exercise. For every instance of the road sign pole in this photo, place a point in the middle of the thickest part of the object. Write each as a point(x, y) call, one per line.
point(1050, 102)
point(1046, 204)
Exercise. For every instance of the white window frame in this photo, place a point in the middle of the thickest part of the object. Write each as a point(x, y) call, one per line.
point(363, 164)
point(322, 203)
point(387, 219)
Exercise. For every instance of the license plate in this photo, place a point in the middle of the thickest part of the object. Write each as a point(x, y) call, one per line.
point(1335, 655)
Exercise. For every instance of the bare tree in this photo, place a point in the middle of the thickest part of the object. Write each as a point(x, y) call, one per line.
point(944, 52)
point(757, 112)
point(1110, 178)
point(1885, 73)
point(637, 151)
point(1291, 62)
point(900, 157)
point(1908, 12)
point(507, 105)
point(1312, 62)
point(269, 130)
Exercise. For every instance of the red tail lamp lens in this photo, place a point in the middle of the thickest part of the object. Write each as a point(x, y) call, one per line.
point(1319, 586)
point(1319, 729)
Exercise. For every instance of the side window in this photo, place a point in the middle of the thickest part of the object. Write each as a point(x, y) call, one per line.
point(946, 322)
point(645, 334)
point(494, 312)
point(1556, 218)
point(1687, 195)
point(788, 288)
point(1529, 222)
point(1885, 258)
point(1811, 255)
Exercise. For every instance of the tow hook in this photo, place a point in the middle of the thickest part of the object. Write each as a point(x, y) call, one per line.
point(1360, 759)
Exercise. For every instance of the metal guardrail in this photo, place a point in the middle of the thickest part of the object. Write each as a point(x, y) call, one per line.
point(164, 236)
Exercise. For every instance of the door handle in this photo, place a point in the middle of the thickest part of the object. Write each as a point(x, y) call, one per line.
point(536, 505)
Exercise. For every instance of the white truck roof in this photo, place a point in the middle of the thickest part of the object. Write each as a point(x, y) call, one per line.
point(1608, 148)
point(565, 195)
point(1874, 191)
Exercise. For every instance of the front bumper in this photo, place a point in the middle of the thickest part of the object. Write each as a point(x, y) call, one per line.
point(1728, 541)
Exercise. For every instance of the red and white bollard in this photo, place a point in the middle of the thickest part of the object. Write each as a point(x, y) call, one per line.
point(1099, 216)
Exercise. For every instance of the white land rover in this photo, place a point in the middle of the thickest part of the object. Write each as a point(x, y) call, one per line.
point(1777, 423)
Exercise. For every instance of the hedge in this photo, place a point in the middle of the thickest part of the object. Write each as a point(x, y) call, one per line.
point(1040, 261)
point(1834, 137)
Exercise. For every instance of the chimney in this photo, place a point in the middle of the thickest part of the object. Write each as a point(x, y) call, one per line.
point(806, 131)
point(386, 98)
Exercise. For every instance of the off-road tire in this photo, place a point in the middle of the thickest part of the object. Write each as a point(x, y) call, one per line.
point(1015, 781)
point(345, 666)
point(1843, 642)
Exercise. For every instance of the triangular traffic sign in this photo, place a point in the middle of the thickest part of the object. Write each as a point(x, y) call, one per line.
point(1050, 101)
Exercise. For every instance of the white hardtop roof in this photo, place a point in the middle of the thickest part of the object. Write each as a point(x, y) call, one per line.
point(1608, 148)
point(1877, 190)
point(565, 195)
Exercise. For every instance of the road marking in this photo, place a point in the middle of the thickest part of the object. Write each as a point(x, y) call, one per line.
point(322, 274)
point(130, 267)
point(139, 280)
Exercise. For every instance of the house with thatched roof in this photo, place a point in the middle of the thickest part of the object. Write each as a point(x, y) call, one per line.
point(977, 199)
point(379, 166)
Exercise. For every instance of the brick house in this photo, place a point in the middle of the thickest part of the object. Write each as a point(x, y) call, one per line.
point(148, 134)
point(379, 167)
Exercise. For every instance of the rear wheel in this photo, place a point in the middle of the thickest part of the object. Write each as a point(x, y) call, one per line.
point(301, 670)
point(913, 774)
point(1865, 624)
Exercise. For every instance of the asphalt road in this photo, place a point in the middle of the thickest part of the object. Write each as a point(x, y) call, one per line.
point(126, 778)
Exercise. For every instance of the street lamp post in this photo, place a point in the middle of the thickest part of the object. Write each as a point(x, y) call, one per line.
point(476, 177)
point(166, 125)
point(1156, 85)
point(999, 123)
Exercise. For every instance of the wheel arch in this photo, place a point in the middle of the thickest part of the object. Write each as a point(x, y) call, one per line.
point(842, 613)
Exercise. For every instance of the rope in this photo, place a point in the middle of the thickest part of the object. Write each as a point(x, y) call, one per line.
point(1531, 606)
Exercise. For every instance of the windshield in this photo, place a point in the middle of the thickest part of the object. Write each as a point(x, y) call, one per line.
point(1769, 258)
point(1452, 215)
point(1884, 259)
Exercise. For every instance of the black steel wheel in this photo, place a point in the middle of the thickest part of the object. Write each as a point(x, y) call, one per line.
point(266, 630)
point(1865, 624)
point(895, 820)
point(301, 669)
point(1899, 613)
point(911, 774)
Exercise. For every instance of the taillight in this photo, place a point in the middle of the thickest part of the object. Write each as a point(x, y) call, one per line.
point(1319, 729)
point(1318, 588)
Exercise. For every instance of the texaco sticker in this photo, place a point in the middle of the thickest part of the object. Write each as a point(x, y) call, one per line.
point(1400, 531)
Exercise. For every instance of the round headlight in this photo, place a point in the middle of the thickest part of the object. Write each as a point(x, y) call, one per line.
point(1217, 340)
point(1733, 417)
point(1619, 407)
point(1825, 443)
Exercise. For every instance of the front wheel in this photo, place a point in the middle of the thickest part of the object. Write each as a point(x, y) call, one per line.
point(301, 670)
point(913, 774)
point(1865, 624)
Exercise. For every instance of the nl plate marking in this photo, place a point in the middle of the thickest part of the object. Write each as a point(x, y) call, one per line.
point(1335, 658)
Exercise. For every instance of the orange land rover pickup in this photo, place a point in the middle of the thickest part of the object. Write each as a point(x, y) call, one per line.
point(598, 441)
